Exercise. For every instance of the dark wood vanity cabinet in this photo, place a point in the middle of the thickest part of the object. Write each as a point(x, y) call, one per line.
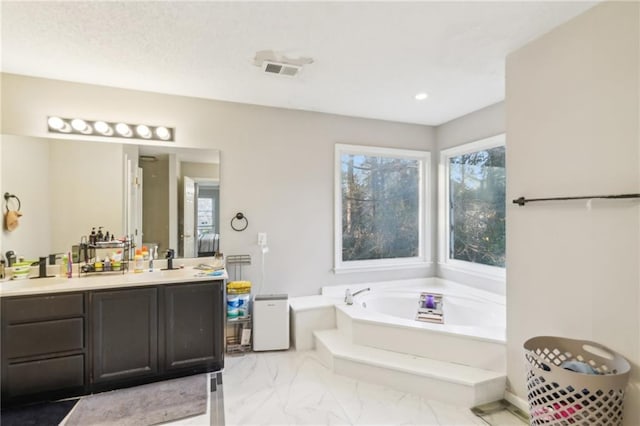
point(192, 336)
point(44, 346)
point(69, 344)
point(124, 334)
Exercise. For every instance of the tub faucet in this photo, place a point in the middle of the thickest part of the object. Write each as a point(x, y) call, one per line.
point(348, 296)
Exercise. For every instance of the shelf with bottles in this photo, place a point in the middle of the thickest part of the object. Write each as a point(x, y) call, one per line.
point(107, 256)
point(99, 267)
point(238, 330)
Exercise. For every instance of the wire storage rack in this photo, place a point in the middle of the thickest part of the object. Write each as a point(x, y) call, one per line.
point(238, 327)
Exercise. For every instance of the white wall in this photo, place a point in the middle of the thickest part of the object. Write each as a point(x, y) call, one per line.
point(481, 124)
point(200, 170)
point(85, 184)
point(573, 129)
point(276, 166)
point(155, 202)
point(65, 188)
point(24, 161)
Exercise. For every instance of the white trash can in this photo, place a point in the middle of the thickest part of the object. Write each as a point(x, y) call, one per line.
point(560, 396)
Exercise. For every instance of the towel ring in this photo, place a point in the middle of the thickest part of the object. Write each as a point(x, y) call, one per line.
point(239, 216)
point(7, 197)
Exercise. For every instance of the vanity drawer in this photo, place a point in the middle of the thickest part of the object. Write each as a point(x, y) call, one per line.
point(39, 308)
point(42, 376)
point(44, 337)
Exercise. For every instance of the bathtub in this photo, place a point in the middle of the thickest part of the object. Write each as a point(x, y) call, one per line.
point(459, 310)
point(473, 333)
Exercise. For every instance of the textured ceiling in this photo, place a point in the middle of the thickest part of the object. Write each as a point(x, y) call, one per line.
point(370, 58)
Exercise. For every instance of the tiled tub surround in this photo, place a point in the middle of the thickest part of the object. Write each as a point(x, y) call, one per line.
point(460, 362)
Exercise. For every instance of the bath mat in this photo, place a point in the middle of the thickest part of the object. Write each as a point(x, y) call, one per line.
point(45, 414)
point(143, 405)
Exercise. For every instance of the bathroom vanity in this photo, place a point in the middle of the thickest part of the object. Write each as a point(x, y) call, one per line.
point(67, 337)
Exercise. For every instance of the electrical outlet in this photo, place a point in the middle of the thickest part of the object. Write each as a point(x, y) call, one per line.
point(262, 239)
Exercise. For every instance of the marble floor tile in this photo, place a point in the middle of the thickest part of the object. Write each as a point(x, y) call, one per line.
point(294, 388)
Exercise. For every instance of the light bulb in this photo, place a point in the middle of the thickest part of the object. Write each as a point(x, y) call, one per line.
point(80, 125)
point(163, 133)
point(56, 123)
point(143, 131)
point(123, 129)
point(103, 128)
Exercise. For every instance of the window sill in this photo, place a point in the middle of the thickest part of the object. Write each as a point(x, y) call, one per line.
point(378, 268)
point(499, 275)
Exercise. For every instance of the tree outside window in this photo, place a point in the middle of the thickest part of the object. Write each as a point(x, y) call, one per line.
point(381, 214)
point(477, 207)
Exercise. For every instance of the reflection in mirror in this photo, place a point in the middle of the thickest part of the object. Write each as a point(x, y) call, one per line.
point(67, 187)
point(197, 191)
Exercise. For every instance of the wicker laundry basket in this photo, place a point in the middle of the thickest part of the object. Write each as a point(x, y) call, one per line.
point(558, 396)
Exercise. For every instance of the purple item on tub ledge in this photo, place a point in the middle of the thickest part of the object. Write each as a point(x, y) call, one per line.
point(430, 302)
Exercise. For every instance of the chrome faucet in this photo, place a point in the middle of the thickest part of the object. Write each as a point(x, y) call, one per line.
point(348, 296)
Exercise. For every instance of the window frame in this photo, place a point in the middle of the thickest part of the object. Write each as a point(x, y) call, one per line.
point(424, 212)
point(444, 245)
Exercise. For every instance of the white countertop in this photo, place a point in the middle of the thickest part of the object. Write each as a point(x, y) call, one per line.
point(103, 281)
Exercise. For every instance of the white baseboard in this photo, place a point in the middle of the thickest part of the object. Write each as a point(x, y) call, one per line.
point(517, 401)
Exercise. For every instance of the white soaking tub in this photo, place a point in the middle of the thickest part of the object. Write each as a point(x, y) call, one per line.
point(473, 332)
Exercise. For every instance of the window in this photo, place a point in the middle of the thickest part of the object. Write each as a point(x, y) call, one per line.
point(380, 207)
point(205, 212)
point(472, 207)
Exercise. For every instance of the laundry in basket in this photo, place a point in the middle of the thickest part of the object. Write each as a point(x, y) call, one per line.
point(558, 395)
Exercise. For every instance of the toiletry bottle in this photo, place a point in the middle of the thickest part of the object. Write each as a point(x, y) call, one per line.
point(116, 261)
point(92, 236)
point(69, 266)
point(98, 265)
point(63, 266)
point(138, 262)
point(100, 236)
point(107, 264)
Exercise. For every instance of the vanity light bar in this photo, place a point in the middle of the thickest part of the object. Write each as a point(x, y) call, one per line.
point(78, 126)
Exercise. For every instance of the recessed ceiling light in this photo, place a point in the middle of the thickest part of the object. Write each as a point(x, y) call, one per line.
point(421, 96)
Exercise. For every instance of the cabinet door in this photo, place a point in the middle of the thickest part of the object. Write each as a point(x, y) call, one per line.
point(125, 334)
point(193, 326)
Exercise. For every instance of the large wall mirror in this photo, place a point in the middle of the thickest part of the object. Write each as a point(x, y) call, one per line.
point(164, 197)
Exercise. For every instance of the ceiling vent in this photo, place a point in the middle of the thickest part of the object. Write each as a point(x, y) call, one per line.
point(281, 68)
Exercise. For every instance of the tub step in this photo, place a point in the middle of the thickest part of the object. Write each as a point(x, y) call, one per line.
point(438, 380)
point(477, 352)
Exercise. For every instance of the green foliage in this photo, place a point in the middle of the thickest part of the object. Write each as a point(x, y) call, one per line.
point(380, 207)
point(477, 207)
